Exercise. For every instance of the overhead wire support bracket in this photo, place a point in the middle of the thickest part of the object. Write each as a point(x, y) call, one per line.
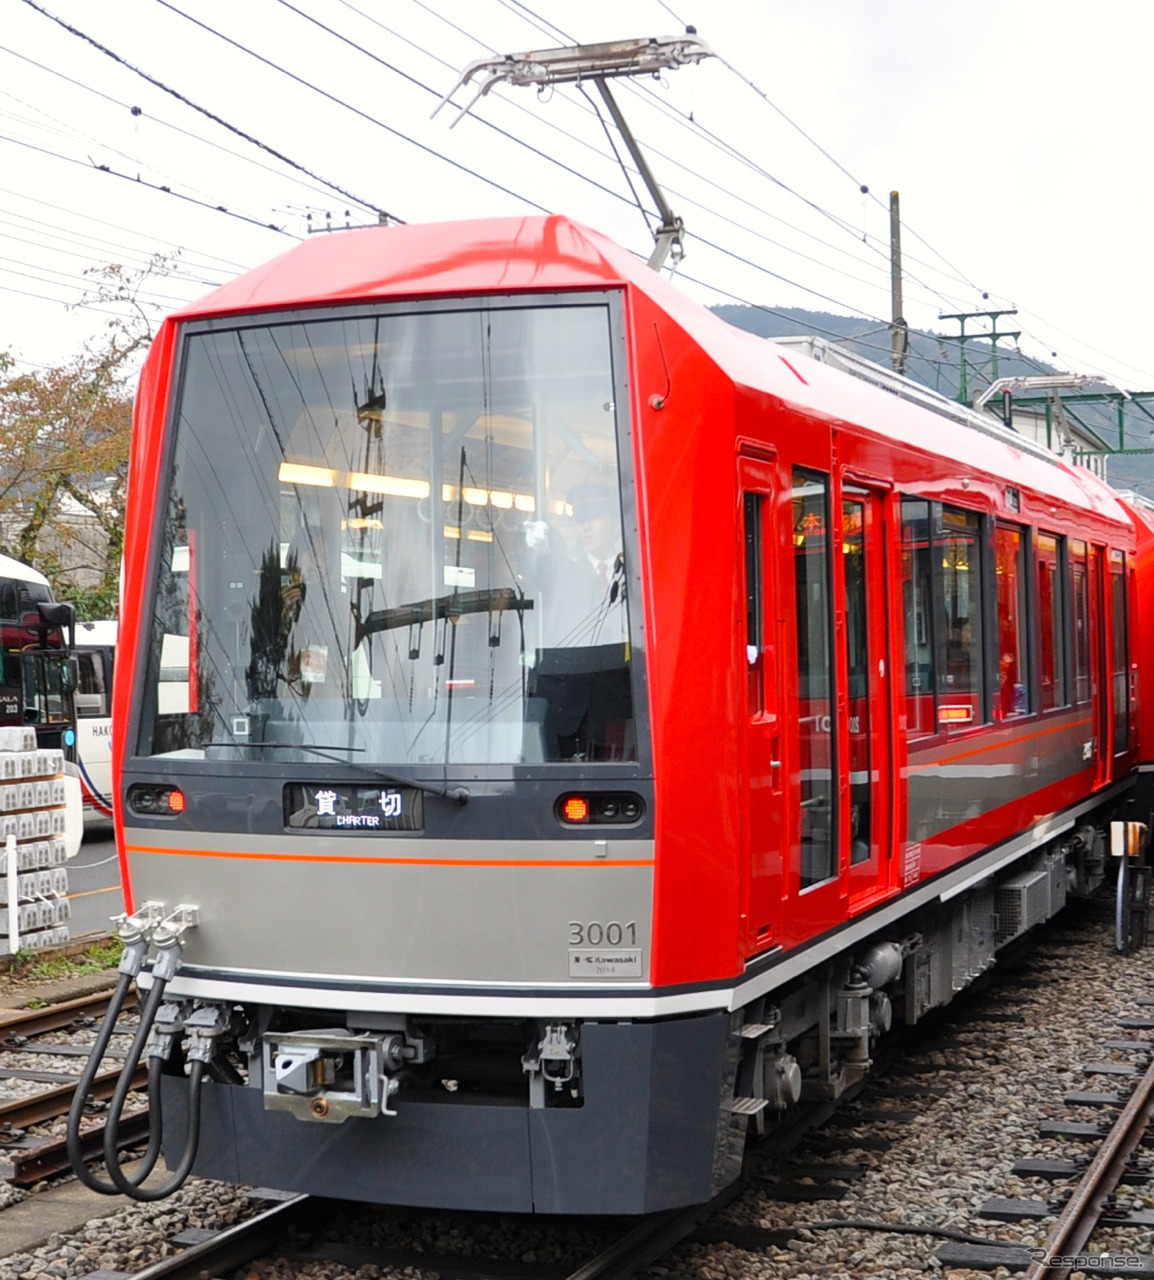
point(598, 62)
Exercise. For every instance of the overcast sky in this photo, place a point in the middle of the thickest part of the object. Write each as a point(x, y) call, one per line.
point(1015, 130)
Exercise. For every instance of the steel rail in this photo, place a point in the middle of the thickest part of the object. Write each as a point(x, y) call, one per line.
point(35, 1022)
point(31, 1161)
point(1084, 1210)
point(55, 1102)
point(234, 1247)
point(650, 1239)
point(640, 1244)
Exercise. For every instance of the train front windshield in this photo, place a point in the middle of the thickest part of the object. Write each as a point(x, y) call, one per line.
point(395, 538)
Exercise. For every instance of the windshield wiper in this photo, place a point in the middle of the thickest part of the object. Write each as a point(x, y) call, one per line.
point(459, 794)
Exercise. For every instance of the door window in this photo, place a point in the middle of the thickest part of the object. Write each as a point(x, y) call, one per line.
point(811, 560)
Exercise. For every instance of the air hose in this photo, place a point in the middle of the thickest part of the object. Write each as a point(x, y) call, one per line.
point(163, 969)
point(131, 962)
point(159, 1028)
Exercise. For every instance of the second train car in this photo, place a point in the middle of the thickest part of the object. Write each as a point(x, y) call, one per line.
point(557, 731)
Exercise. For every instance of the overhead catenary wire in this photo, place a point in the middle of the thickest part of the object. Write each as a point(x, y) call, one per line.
point(316, 185)
point(158, 298)
point(882, 267)
point(40, 297)
point(429, 89)
point(843, 224)
point(364, 115)
point(680, 22)
point(256, 142)
point(525, 12)
point(57, 129)
point(243, 48)
point(862, 186)
point(524, 9)
point(592, 107)
point(137, 257)
point(222, 263)
point(558, 32)
point(878, 247)
point(151, 186)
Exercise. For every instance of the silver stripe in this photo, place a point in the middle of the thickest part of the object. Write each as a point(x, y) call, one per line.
point(402, 911)
point(653, 1005)
point(591, 1005)
point(942, 887)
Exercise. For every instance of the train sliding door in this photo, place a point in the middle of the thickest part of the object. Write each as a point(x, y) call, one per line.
point(817, 800)
point(865, 641)
point(1099, 685)
point(839, 788)
point(762, 865)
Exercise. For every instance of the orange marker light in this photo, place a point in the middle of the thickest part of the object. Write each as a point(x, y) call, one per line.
point(576, 809)
point(176, 801)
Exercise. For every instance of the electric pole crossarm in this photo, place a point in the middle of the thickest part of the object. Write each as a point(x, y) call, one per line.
point(580, 62)
point(993, 337)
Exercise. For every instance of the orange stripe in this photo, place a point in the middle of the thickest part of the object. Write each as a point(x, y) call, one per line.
point(995, 746)
point(398, 862)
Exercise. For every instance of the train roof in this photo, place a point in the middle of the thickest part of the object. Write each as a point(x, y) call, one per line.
point(553, 253)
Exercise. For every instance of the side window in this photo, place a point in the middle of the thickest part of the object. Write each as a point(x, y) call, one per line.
point(811, 561)
point(1052, 684)
point(958, 549)
point(1080, 600)
point(1010, 568)
point(1120, 652)
point(91, 694)
point(917, 600)
point(754, 629)
point(942, 554)
point(857, 595)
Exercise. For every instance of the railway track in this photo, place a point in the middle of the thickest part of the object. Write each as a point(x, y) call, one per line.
point(1092, 1206)
point(27, 1157)
point(220, 1252)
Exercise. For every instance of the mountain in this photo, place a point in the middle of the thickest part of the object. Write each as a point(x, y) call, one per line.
point(934, 361)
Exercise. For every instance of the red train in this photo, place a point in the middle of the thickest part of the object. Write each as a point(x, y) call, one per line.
point(557, 731)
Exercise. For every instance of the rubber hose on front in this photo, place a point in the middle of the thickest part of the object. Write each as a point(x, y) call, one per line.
point(122, 1180)
point(84, 1086)
point(188, 1155)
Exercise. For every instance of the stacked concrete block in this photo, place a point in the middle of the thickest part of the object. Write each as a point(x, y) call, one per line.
point(32, 822)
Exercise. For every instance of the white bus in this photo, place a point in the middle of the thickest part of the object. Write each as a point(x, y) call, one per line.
point(95, 653)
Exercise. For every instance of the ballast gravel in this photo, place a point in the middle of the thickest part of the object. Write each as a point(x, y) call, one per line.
point(978, 1091)
point(1001, 1080)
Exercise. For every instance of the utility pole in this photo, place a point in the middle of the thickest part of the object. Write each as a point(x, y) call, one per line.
point(993, 337)
point(899, 330)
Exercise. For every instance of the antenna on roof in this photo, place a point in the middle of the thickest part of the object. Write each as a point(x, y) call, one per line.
point(599, 63)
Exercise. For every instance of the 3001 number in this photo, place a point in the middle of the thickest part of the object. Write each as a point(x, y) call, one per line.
point(596, 934)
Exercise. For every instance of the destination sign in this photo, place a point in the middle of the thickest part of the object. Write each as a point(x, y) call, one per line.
point(352, 808)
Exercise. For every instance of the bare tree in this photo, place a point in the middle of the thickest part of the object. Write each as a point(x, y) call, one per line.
point(64, 444)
